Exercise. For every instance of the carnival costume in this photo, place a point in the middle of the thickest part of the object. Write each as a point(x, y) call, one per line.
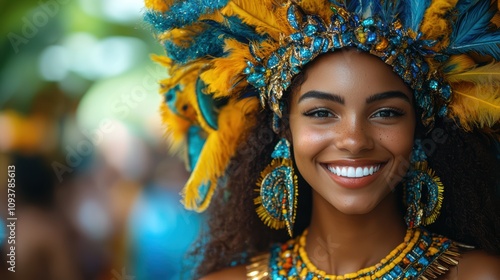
point(227, 59)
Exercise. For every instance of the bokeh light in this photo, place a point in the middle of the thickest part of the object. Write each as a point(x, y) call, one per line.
point(79, 115)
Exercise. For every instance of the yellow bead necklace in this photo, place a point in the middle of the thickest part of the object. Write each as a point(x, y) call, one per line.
point(421, 254)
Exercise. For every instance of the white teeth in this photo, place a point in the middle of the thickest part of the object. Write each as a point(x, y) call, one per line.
point(359, 171)
point(353, 172)
point(366, 172)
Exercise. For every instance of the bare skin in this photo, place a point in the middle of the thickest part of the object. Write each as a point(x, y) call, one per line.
point(335, 122)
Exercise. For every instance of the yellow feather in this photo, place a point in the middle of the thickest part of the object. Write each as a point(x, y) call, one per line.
point(256, 13)
point(496, 18)
point(187, 99)
point(318, 7)
point(192, 199)
point(226, 72)
point(181, 36)
point(435, 25)
point(476, 105)
point(158, 5)
point(265, 48)
point(219, 147)
point(164, 61)
point(482, 75)
point(176, 129)
point(458, 64)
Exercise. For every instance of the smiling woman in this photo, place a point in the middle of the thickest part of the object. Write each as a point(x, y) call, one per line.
point(374, 156)
point(362, 120)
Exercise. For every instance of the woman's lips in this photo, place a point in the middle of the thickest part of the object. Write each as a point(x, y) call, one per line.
point(352, 174)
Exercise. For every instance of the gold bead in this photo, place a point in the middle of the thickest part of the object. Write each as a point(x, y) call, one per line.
point(382, 45)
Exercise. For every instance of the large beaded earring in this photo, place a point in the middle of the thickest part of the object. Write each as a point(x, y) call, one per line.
point(423, 191)
point(277, 200)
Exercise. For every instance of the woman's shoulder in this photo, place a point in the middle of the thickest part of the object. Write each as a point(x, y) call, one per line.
point(232, 273)
point(476, 264)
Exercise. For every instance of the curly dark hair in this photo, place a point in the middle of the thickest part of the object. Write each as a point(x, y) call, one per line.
point(465, 162)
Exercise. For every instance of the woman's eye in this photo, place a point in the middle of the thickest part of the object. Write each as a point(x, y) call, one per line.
point(319, 113)
point(388, 113)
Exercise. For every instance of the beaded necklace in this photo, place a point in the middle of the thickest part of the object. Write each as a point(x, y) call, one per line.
point(422, 255)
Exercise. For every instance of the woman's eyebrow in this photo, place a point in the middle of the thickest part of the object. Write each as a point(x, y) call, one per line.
point(387, 95)
point(322, 95)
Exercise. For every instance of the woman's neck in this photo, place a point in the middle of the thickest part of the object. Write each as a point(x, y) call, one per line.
point(339, 243)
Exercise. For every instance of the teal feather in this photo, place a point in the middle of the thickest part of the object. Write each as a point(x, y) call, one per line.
point(209, 42)
point(464, 5)
point(474, 32)
point(484, 44)
point(413, 12)
point(182, 13)
point(365, 8)
point(237, 29)
point(389, 10)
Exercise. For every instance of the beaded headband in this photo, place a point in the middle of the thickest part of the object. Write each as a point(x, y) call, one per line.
point(224, 57)
point(403, 49)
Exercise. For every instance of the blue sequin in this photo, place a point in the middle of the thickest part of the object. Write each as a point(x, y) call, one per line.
point(297, 36)
point(294, 61)
point(305, 53)
point(281, 51)
point(317, 44)
point(443, 111)
point(336, 41)
point(292, 18)
point(433, 84)
point(310, 29)
point(446, 92)
point(371, 38)
point(272, 61)
point(367, 22)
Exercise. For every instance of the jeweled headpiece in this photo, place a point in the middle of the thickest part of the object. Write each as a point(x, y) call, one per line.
point(224, 56)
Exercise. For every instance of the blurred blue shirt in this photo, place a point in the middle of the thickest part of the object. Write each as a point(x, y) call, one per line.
point(161, 231)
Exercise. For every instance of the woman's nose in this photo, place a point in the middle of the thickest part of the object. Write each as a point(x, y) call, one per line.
point(353, 136)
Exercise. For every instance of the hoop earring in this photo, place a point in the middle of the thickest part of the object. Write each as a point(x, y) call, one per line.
point(277, 200)
point(420, 212)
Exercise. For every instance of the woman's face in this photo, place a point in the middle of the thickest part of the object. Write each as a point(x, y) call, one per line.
point(352, 123)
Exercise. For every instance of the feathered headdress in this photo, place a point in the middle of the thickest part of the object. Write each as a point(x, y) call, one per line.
point(224, 57)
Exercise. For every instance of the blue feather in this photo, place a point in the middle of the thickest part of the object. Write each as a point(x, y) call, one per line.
point(368, 8)
point(473, 31)
point(337, 3)
point(464, 5)
point(182, 13)
point(237, 29)
point(484, 44)
point(389, 10)
point(413, 12)
point(355, 6)
point(373, 8)
point(210, 42)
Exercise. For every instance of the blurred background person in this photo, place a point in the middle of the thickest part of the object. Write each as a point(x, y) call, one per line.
point(79, 108)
